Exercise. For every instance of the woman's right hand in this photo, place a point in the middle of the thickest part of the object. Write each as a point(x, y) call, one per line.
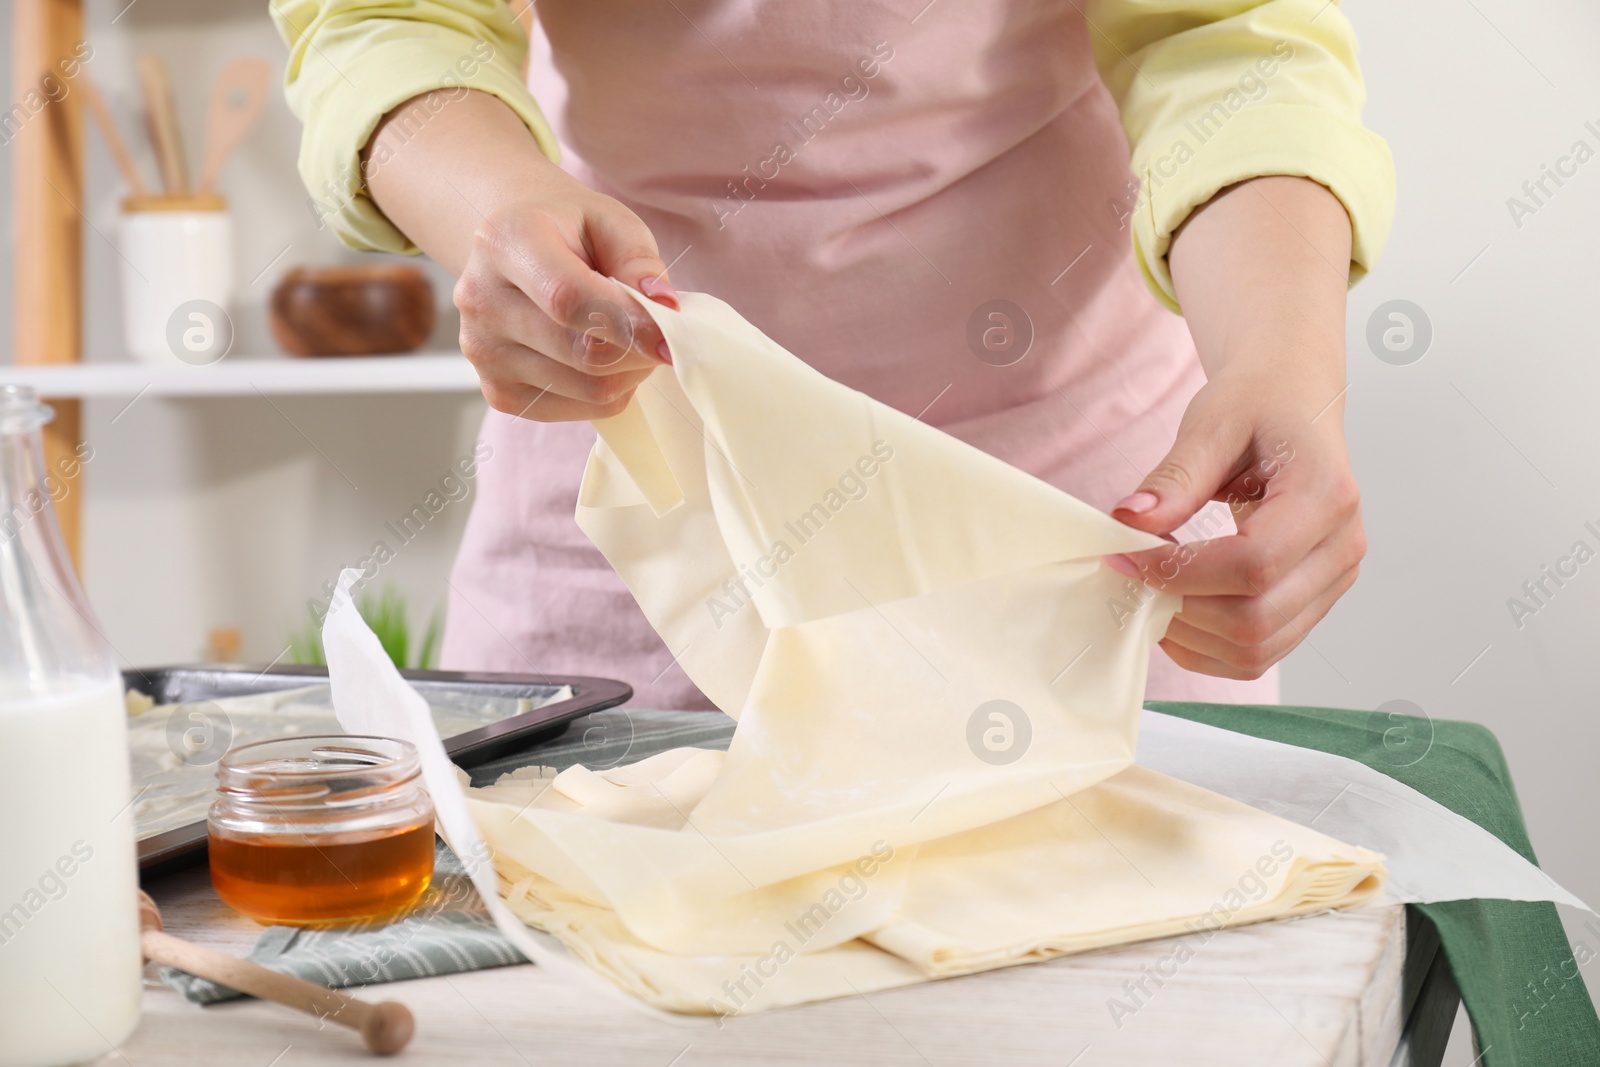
point(538, 256)
point(541, 318)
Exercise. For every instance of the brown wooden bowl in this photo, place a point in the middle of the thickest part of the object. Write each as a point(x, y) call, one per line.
point(352, 311)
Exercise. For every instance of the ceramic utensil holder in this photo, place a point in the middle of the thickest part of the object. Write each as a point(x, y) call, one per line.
point(177, 278)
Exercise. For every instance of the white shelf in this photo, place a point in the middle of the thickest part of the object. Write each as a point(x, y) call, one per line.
point(435, 372)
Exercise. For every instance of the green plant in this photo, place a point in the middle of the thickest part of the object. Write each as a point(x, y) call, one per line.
point(386, 614)
point(305, 644)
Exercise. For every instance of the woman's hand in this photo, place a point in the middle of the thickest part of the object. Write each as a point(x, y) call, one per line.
point(1261, 272)
point(1250, 598)
point(550, 336)
point(535, 252)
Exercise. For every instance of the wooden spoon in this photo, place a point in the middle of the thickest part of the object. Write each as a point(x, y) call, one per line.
point(236, 103)
point(385, 1028)
point(108, 129)
point(162, 119)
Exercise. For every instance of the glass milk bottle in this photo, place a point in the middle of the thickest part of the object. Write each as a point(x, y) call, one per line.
point(69, 926)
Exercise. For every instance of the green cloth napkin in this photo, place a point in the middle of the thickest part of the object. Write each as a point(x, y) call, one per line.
point(1523, 991)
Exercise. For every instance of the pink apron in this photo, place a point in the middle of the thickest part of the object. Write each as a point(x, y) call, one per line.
point(929, 208)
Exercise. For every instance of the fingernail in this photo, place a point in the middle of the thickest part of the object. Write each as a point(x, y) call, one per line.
point(661, 291)
point(1122, 565)
point(1138, 503)
point(664, 352)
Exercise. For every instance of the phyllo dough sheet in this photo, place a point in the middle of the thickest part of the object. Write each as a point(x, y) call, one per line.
point(937, 685)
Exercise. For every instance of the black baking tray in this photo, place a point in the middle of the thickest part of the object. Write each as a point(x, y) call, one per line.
point(186, 845)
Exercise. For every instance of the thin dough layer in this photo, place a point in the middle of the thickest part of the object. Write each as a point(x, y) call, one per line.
point(937, 684)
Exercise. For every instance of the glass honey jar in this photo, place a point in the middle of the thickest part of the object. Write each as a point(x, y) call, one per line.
point(317, 831)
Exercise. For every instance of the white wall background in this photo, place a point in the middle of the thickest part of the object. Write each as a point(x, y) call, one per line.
point(1477, 461)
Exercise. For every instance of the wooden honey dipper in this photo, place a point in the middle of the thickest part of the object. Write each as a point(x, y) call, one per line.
point(385, 1028)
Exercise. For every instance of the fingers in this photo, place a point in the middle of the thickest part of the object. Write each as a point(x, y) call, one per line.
point(532, 367)
point(542, 319)
point(1258, 617)
point(494, 312)
point(595, 321)
point(625, 249)
point(530, 402)
point(1250, 599)
point(512, 362)
point(1207, 652)
point(1241, 636)
point(1302, 509)
point(1190, 660)
point(1206, 456)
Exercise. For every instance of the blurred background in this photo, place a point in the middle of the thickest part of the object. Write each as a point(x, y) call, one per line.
point(1474, 443)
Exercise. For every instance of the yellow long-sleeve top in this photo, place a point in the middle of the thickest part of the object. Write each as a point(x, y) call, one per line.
point(1210, 92)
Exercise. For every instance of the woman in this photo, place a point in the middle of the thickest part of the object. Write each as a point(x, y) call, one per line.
point(930, 202)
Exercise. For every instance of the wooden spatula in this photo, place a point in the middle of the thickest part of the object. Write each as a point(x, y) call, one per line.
point(385, 1028)
point(108, 129)
point(236, 103)
point(162, 119)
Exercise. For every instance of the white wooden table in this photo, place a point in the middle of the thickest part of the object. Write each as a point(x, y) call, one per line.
point(1330, 990)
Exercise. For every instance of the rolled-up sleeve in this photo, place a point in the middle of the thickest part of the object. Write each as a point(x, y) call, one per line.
point(1214, 92)
point(351, 62)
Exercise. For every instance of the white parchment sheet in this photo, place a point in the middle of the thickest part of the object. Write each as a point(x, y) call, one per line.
point(1432, 853)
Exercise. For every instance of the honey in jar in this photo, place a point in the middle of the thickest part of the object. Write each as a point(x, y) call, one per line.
point(314, 831)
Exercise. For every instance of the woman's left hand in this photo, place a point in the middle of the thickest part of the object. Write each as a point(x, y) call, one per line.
point(1261, 272)
point(1251, 597)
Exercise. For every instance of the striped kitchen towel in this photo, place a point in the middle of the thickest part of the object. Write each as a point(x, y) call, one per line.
point(447, 932)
